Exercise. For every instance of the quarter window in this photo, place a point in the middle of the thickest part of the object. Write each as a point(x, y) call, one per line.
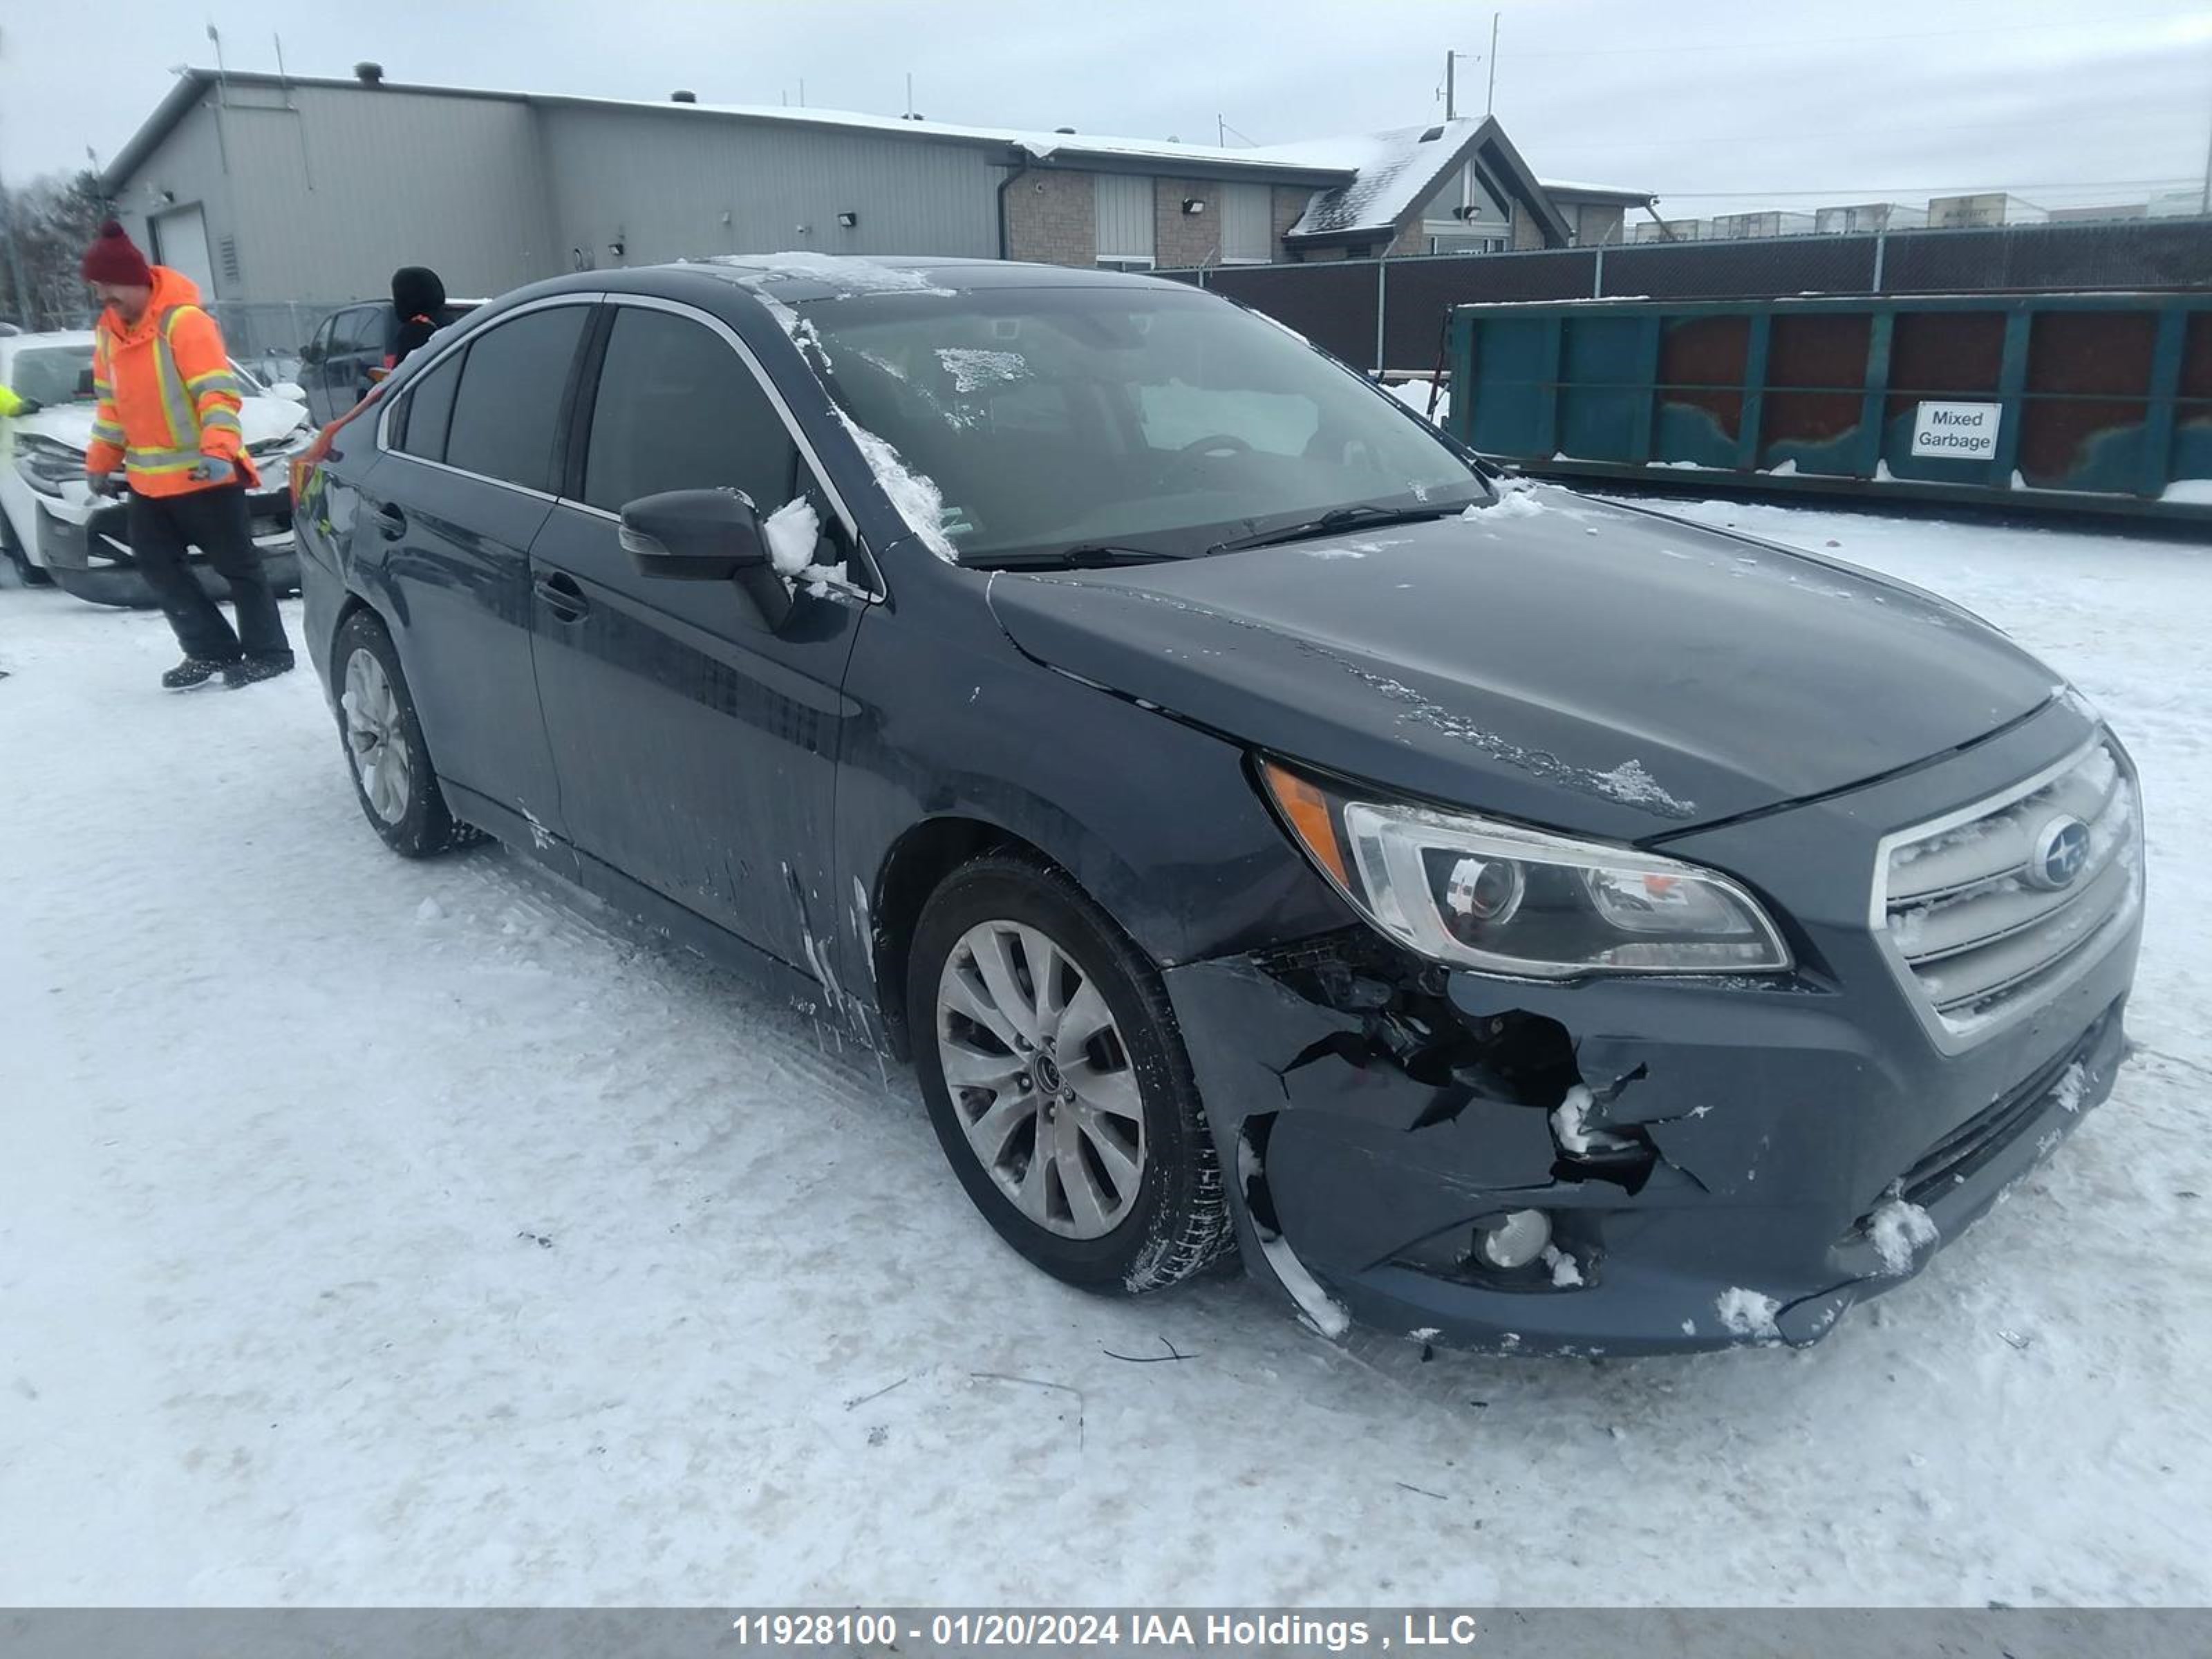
point(508, 402)
point(429, 411)
point(677, 409)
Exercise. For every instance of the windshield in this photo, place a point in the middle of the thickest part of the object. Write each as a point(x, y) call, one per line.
point(53, 374)
point(1146, 419)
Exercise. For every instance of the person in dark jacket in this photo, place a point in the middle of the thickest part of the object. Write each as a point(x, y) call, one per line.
point(418, 298)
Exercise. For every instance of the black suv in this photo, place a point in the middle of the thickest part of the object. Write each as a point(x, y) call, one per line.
point(1508, 919)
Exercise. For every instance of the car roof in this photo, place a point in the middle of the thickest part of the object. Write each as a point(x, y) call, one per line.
point(798, 278)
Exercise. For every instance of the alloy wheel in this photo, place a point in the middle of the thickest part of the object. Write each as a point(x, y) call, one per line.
point(1040, 1078)
point(376, 736)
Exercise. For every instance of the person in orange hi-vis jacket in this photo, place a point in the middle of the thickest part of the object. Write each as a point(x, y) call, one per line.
point(168, 418)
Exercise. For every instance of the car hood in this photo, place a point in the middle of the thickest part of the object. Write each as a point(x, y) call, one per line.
point(1550, 658)
point(261, 419)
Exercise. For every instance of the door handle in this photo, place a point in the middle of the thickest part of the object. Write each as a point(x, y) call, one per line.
point(562, 595)
point(391, 522)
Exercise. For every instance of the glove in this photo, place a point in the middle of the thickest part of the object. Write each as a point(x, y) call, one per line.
point(212, 469)
point(103, 484)
point(28, 405)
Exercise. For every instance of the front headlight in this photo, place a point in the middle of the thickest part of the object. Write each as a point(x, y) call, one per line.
point(46, 465)
point(1480, 894)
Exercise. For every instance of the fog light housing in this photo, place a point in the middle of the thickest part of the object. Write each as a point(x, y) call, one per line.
point(1512, 1240)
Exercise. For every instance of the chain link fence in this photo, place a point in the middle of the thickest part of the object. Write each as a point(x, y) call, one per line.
point(1388, 314)
point(267, 336)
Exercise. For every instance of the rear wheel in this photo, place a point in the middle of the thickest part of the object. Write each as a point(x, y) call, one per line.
point(1057, 1081)
point(386, 756)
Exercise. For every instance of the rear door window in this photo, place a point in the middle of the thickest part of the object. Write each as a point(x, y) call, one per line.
point(678, 410)
point(508, 403)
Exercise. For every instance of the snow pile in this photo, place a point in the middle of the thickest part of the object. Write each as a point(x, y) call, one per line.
point(1335, 552)
point(793, 531)
point(2072, 1088)
point(1566, 1272)
point(973, 368)
point(847, 275)
point(918, 501)
point(1630, 783)
point(1517, 499)
point(1747, 1313)
point(1570, 1122)
point(1900, 1232)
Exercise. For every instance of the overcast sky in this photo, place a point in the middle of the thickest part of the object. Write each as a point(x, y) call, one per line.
point(1716, 105)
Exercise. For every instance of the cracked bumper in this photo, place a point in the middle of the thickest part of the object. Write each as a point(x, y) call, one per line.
point(1772, 1123)
point(86, 550)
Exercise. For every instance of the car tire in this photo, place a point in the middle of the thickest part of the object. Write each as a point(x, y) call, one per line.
point(382, 738)
point(1127, 1087)
point(29, 575)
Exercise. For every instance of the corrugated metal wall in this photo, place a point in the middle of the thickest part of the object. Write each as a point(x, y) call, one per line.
point(323, 198)
point(1125, 217)
point(682, 184)
point(322, 191)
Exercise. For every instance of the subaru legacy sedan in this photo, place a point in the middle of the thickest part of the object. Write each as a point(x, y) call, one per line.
point(1505, 919)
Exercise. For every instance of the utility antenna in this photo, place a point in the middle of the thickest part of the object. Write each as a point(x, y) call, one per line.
point(221, 74)
point(1451, 86)
point(1490, 104)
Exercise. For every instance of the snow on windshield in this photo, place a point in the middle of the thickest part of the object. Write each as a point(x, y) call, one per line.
point(973, 368)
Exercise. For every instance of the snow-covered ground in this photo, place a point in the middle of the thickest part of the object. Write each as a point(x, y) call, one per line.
point(374, 1232)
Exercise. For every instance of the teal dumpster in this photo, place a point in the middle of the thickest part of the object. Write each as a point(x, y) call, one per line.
point(2096, 402)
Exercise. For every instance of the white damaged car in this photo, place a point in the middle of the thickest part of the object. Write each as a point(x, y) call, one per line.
point(53, 528)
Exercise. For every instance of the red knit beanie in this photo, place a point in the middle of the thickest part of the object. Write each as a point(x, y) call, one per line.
point(113, 258)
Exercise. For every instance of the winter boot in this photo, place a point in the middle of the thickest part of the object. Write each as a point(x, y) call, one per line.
point(248, 670)
point(194, 671)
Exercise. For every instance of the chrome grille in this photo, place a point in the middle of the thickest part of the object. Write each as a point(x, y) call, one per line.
point(1984, 909)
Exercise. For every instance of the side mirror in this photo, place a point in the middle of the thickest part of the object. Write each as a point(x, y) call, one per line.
point(694, 535)
point(290, 391)
point(706, 535)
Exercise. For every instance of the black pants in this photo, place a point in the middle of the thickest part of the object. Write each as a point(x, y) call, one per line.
point(216, 522)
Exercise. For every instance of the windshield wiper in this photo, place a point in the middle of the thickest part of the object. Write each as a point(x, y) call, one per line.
point(1341, 518)
point(1086, 558)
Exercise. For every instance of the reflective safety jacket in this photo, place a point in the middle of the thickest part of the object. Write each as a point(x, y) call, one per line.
point(169, 400)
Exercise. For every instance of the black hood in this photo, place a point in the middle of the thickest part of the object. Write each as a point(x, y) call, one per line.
point(416, 291)
point(1551, 659)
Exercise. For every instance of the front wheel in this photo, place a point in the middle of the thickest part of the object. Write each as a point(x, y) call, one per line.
point(1058, 1083)
point(29, 575)
point(384, 753)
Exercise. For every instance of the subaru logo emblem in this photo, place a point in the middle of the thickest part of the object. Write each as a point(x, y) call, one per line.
point(2061, 847)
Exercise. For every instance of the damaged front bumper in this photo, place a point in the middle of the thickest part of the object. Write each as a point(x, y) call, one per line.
point(1746, 1143)
point(1740, 1160)
point(86, 548)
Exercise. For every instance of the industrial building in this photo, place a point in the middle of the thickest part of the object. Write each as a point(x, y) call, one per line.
point(268, 187)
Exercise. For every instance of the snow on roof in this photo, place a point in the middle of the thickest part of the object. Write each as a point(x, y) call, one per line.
point(1394, 171)
point(1288, 158)
point(1573, 187)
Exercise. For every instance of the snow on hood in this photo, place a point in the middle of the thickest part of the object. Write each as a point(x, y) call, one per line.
point(262, 420)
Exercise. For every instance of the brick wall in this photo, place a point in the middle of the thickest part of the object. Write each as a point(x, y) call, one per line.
point(1289, 203)
point(1179, 239)
point(1052, 217)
